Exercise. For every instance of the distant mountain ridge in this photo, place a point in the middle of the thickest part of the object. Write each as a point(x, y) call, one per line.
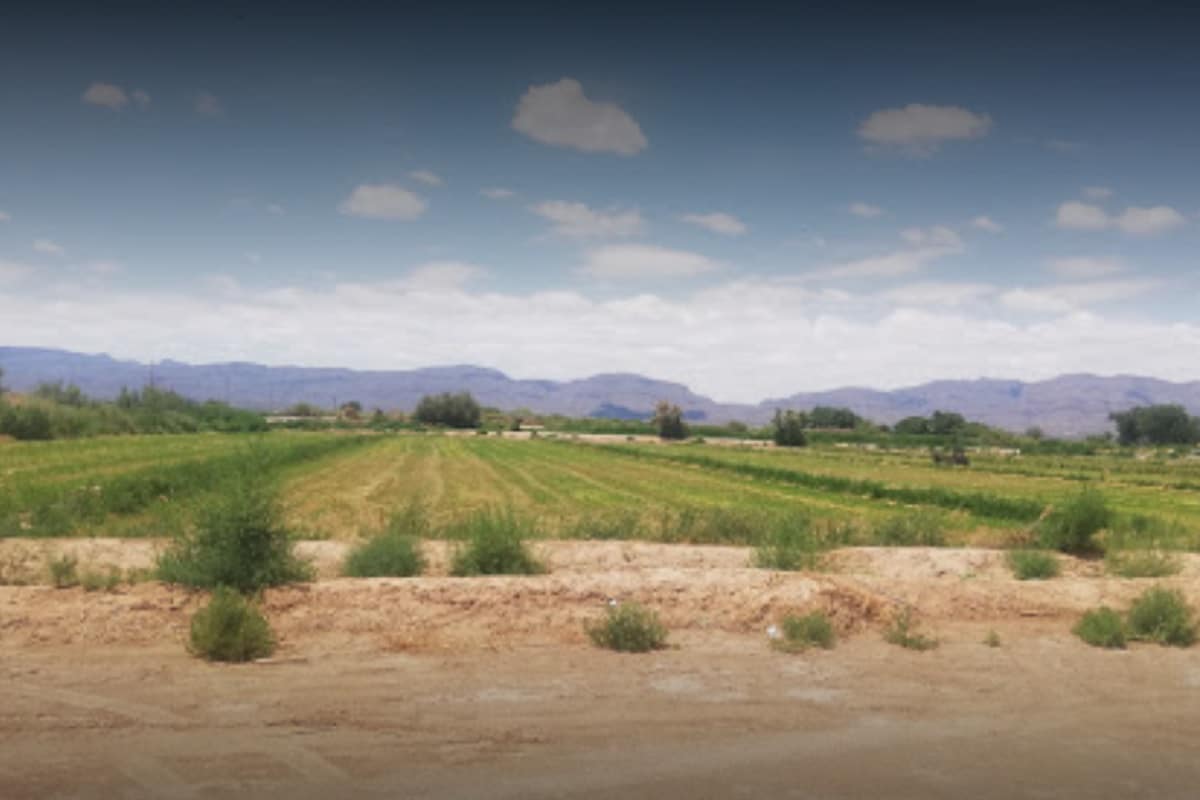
point(1069, 405)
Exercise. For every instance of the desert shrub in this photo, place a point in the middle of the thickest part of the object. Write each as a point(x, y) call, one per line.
point(1102, 627)
point(802, 632)
point(239, 541)
point(1143, 564)
point(629, 628)
point(913, 529)
point(902, 632)
point(107, 581)
point(394, 552)
point(1163, 616)
point(992, 639)
point(792, 545)
point(1072, 527)
point(230, 628)
point(493, 544)
point(63, 571)
point(1033, 565)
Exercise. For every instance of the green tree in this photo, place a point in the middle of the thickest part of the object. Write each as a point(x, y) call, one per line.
point(787, 428)
point(668, 420)
point(1156, 425)
point(832, 417)
point(452, 410)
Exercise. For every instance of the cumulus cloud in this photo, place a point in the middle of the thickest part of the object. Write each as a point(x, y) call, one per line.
point(1070, 297)
point(442, 275)
point(577, 220)
point(634, 261)
point(106, 95)
point(383, 201)
point(865, 210)
point(1097, 192)
point(717, 222)
point(48, 248)
point(1137, 221)
point(935, 293)
point(988, 224)
point(496, 192)
point(208, 104)
point(921, 129)
point(560, 114)
point(739, 341)
point(924, 245)
point(1084, 267)
point(426, 177)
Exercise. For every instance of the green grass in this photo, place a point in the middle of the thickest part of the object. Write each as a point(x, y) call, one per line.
point(1162, 616)
point(1142, 564)
point(63, 571)
point(230, 628)
point(1072, 527)
point(912, 529)
point(1033, 565)
point(95, 581)
point(902, 632)
point(395, 551)
point(800, 633)
point(628, 628)
point(791, 545)
point(1102, 627)
point(493, 543)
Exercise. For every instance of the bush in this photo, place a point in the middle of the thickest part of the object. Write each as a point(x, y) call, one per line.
point(792, 546)
point(494, 545)
point(107, 581)
point(239, 541)
point(1072, 528)
point(1102, 627)
point(787, 429)
point(801, 633)
point(1033, 565)
point(629, 628)
point(992, 639)
point(914, 529)
point(901, 632)
point(1163, 616)
point(396, 552)
point(63, 573)
point(1145, 564)
point(230, 628)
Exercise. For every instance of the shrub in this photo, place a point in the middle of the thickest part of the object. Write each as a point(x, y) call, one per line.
point(792, 545)
point(901, 632)
point(1102, 627)
point(992, 639)
point(1072, 528)
point(1145, 564)
point(494, 545)
point(239, 541)
point(1033, 565)
point(801, 633)
point(787, 429)
point(107, 581)
point(914, 529)
point(230, 628)
point(63, 572)
point(396, 552)
point(1163, 616)
point(629, 628)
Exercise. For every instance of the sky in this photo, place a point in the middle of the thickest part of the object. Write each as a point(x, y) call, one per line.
point(749, 202)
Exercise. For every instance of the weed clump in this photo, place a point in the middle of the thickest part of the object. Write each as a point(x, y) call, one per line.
point(803, 632)
point(915, 529)
point(790, 546)
point(106, 581)
point(230, 628)
point(395, 552)
point(992, 639)
point(1162, 616)
point(1102, 627)
point(1073, 527)
point(63, 572)
point(494, 544)
point(903, 634)
point(629, 628)
point(1144, 564)
point(239, 541)
point(1033, 565)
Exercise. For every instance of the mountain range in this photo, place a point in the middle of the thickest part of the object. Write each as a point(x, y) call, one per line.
point(1069, 405)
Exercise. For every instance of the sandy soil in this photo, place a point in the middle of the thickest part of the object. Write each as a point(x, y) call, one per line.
point(444, 687)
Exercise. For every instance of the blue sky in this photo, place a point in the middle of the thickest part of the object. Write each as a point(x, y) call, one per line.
point(748, 203)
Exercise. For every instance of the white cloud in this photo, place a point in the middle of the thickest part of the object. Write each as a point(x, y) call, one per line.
point(12, 272)
point(253, 257)
point(987, 224)
point(48, 248)
point(1148, 221)
point(208, 104)
point(560, 114)
point(1133, 220)
point(1081, 217)
point(933, 293)
point(497, 192)
point(645, 261)
point(141, 97)
point(1070, 297)
point(924, 245)
point(738, 341)
point(276, 209)
point(442, 275)
point(426, 177)
point(1097, 192)
point(865, 210)
point(577, 220)
point(1084, 267)
point(5, 217)
point(717, 222)
point(383, 201)
point(920, 129)
point(106, 95)
point(102, 268)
